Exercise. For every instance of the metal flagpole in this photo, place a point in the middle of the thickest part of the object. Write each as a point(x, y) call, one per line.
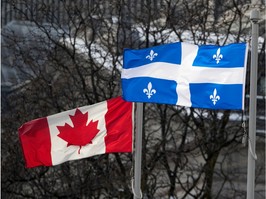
point(138, 152)
point(254, 17)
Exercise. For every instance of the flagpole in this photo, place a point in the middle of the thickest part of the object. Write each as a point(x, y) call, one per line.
point(138, 152)
point(254, 17)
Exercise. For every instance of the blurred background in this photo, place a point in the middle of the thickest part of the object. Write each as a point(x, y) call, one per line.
point(57, 55)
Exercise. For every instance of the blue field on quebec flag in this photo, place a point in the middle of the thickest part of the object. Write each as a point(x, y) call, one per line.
point(155, 92)
point(206, 76)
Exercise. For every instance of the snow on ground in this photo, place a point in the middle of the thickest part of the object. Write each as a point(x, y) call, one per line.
point(96, 51)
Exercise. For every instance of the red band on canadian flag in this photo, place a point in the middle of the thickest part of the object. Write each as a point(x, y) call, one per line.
point(105, 127)
point(36, 142)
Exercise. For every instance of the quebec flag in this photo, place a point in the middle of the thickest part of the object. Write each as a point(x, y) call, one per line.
point(206, 76)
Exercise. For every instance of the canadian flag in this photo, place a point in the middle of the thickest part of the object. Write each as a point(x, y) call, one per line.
point(105, 127)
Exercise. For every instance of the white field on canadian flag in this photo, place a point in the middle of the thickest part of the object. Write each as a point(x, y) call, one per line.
point(60, 152)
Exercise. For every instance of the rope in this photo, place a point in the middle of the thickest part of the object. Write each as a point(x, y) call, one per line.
point(133, 189)
point(246, 138)
point(251, 151)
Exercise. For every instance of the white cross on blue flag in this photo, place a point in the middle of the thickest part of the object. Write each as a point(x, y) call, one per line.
point(206, 76)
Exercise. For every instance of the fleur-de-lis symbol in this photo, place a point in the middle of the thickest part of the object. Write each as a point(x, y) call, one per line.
point(152, 55)
point(214, 97)
point(218, 56)
point(149, 91)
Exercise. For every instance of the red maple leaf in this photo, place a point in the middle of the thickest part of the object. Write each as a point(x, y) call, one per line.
point(81, 134)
